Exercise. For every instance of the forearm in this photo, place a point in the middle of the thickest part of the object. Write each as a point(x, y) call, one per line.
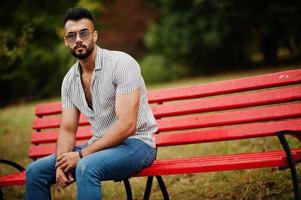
point(65, 142)
point(114, 136)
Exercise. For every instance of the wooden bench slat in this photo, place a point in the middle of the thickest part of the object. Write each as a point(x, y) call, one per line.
point(194, 165)
point(223, 87)
point(46, 149)
point(12, 179)
point(48, 109)
point(51, 136)
point(228, 133)
point(230, 102)
point(189, 137)
point(218, 163)
point(54, 122)
point(229, 117)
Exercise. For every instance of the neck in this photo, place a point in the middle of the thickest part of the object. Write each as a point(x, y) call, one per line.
point(88, 64)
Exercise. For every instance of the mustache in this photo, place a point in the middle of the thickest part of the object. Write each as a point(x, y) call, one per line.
point(80, 46)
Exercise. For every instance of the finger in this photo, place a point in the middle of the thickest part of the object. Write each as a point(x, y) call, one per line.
point(67, 169)
point(64, 166)
point(59, 163)
point(69, 179)
point(63, 178)
point(69, 176)
point(59, 157)
point(60, 181)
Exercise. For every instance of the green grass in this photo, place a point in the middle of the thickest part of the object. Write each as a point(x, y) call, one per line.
point(15, 131)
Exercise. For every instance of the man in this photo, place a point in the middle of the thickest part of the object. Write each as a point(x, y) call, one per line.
point(107, 87)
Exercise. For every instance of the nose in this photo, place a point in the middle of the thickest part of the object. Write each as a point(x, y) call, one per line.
point(78, 39)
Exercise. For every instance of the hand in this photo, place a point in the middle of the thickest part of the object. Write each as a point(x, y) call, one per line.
point(62, 178)
point(67, 161)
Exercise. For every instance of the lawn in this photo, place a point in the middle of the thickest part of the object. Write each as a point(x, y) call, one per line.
point(15, 130)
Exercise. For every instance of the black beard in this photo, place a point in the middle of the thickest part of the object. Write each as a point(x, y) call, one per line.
point(82, 56)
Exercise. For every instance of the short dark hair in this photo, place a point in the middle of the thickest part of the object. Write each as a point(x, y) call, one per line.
point(77, 13)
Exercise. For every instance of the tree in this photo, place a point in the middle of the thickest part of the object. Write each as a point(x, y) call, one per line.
point(30, 65)
point(207, 33)
point(33, 59)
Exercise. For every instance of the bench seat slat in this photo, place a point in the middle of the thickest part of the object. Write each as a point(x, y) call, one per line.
point(195, 165)
point(12, 179)
point(218, 163)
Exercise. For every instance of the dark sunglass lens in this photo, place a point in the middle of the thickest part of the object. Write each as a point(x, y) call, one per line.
point(71, 37)
point(84, 35)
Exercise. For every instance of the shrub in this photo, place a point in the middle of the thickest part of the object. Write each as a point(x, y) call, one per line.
point(156, 68)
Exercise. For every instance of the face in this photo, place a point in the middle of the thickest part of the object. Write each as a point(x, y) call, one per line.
point(80, 37)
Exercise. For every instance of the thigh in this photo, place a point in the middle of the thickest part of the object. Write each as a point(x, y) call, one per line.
point(119, 162)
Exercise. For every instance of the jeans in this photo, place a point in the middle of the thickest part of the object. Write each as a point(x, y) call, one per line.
point(115, 163)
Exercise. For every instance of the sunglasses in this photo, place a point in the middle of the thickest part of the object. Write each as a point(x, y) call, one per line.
point(84, 35)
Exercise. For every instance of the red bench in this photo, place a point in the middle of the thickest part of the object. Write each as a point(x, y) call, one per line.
point(252, 107)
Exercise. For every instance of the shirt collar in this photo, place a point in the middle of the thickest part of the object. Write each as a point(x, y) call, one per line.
point(98, 63)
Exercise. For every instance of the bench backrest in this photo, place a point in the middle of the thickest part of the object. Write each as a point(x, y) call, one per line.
point(236, 109)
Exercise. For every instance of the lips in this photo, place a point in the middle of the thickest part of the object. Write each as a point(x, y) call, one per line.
point(79, 47)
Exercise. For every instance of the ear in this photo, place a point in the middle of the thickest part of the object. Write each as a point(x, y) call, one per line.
point(65, 42)
point(95, 36)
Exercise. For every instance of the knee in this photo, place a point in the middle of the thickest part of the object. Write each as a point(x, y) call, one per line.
point(86, 170)
point(40, 170)
point(32, 174)
point(82, 169)
point(32, 171)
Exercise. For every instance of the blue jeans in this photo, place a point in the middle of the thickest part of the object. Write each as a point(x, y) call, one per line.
point(115, 163)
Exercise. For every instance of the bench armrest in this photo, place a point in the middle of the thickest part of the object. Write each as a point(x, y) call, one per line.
point(13, 164)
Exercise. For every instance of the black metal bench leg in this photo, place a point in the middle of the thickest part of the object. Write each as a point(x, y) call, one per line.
point(1, 195)
point(290, 162)
point(163, 187)
point(128, 189)
point(148, 188)
point(149, 184)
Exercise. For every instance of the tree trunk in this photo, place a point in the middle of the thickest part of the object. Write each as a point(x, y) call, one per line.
point(269, 46)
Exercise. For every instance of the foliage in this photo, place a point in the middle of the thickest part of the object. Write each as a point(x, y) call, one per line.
point(33, 59)
point(155, 68)
point(206, 33)
point(30, 64)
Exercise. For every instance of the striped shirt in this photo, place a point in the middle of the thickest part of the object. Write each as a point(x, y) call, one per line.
point(114, 73)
